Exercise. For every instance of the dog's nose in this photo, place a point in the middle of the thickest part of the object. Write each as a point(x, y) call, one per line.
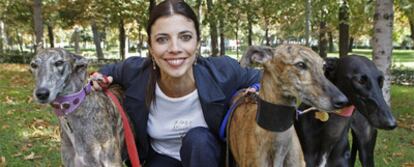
point(340, 102)
point(42, 93)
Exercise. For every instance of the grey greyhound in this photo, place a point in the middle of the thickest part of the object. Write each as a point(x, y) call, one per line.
point(91, 132)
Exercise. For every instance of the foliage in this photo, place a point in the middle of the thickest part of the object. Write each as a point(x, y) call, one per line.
point(402, 76)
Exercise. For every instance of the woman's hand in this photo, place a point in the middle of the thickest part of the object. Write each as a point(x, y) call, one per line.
point(100, 81)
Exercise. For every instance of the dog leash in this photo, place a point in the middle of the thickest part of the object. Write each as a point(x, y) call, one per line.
point(129, 136)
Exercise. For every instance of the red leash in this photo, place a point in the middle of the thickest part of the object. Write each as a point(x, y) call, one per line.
point(129, 136)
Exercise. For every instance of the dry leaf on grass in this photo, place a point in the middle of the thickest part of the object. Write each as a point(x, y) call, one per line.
point(9, 100)
point(408, 164)
point(3, 161)
point(397, 154)
point(5, 126)
point(17, 154)
point(32, 156)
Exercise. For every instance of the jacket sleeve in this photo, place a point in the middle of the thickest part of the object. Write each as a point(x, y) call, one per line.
point(124, 71)
point(245, 77)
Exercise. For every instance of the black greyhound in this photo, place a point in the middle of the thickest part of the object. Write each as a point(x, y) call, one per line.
point(325, 142)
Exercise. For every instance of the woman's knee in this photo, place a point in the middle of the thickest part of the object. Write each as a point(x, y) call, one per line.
point(199, 136)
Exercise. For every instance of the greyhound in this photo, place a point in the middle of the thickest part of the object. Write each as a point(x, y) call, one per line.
point(260, 133)
point(91, 135)
point(325, 142)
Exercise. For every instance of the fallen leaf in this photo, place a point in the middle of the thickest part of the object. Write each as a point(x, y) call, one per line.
point(9, 100)
point(3, 161)
point(10, 112)
point(408, 164)
point(29, 99)
point(5, 126)
point(385, 161)
point(24, 148)
point(17, 154)
point(30, 156)
point(397, 154)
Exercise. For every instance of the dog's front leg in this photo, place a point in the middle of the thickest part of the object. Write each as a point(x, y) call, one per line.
point(294, 156)
point(67, 151)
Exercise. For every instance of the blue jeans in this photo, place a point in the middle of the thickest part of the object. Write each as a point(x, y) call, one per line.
point(200, 148)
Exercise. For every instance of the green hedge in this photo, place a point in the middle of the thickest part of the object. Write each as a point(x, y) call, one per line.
point(402, 76)
point(16, 57)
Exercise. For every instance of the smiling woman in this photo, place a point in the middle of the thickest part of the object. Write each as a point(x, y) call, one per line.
point(175, 98)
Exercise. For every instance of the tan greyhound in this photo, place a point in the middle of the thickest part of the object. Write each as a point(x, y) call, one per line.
point(260, 130)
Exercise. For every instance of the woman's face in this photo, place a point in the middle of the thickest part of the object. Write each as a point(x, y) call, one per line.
point(173, 45)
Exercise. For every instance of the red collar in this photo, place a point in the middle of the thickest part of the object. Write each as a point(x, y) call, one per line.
point(346, 112)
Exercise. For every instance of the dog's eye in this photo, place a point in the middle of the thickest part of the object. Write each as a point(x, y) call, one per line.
point(363, 80)
point(301, 65)
point(381, 81)
point(33, 65)
point(58, 63)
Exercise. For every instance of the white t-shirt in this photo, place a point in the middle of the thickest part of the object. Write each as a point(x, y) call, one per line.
point(170, 119)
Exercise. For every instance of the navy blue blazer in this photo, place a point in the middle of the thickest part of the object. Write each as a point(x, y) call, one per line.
point(217, 79)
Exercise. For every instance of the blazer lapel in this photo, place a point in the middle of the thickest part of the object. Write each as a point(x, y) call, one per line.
point(212, 98)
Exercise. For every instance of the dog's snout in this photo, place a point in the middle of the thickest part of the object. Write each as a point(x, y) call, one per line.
point(339, 101)
point(42, 93)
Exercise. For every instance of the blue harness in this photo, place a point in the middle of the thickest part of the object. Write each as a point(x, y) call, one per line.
point(222, 132)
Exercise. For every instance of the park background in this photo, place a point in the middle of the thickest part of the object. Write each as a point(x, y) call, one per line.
point(107, 31)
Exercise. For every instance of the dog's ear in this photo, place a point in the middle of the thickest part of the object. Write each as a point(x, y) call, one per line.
point(256, 54)
point(81, 63)
point(330, 67)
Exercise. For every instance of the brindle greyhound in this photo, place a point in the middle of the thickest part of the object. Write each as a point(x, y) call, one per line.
point(91, 135)
point(326, 143)
point(289, 72)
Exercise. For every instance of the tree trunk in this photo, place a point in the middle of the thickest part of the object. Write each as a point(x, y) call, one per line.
point(331, 43)
point(19, 41)
point(141, 41)
point(412, 28)
point(200, 20)
point(121, 39)
point(97, 41)
point(222, 46)
point(213, 28)
point(1, 37)
point(250, 34)
point(323, 39)
point(267, 36)
point(50, 34)
point(237, 41)
point(76, 39)
point(351, 43)
point(343, 29)
point(151, 5)
point(308, 17)
point(38, 24)
point(382, 42)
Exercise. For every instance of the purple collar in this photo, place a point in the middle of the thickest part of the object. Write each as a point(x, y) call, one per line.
point(65, 105)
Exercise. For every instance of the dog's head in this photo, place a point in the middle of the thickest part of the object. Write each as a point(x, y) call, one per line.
point(52, 70)
point(360, 80)
point(298, 72)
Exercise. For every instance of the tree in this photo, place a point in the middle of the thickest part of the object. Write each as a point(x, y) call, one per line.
point(308, 26)
point(213, 28)
point(343, 29)
point(38, 23)
point(382, 42)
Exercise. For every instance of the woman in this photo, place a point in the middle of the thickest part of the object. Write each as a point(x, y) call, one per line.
point(175, 99)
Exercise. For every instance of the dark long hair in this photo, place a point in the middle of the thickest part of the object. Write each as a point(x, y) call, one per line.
point(166, 8)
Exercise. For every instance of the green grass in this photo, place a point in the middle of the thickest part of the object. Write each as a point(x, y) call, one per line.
point(29, 132)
